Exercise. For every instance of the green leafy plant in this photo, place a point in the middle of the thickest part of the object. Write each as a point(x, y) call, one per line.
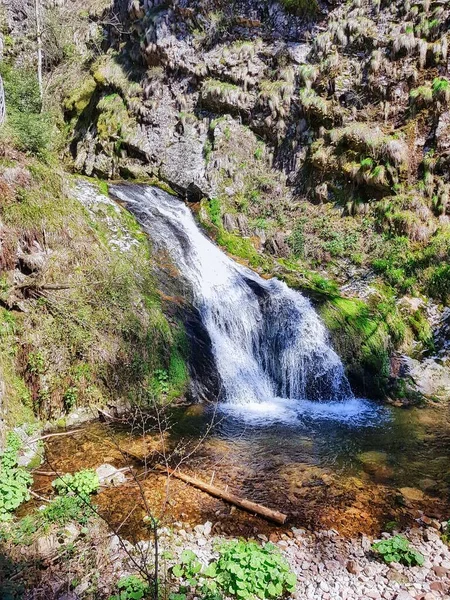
point(398, 549)
point(65, 509)
point(188, 568)
point(83, 483)
point(244, 569)
point(70, 398)
point(14, 480)
point(36, 363)
point(248, 570)
point(161, 381)
point(131, 588)
point(215, 212)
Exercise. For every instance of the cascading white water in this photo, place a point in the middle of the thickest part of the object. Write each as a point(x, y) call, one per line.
point(267, 340)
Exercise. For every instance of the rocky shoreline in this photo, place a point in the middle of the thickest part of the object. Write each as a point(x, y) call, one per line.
point(329, 566)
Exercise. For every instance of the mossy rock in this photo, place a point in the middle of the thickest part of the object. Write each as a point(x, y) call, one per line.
point(362, 341)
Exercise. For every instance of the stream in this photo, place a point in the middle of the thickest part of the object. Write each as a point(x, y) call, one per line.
point(285, 430)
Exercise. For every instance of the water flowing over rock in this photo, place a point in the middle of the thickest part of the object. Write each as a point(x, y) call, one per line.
point(267, 341)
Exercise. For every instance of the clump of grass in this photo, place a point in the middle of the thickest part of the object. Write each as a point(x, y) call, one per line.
point(301, 8)
point(371, 140)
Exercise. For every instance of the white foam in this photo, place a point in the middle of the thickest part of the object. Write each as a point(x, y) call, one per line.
point(354, 411)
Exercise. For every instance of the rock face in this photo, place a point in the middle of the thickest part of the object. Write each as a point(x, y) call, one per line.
point(312, 128)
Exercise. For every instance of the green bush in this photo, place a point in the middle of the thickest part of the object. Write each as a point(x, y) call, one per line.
point(131, 588)
point(82, 484)
point(398, 549)
point(248, 570)
point(244, 570)
point(21, 89)
point(14, 480)
point(28, 128)
point(296, 240)
point(30, 132)
point(65, 509)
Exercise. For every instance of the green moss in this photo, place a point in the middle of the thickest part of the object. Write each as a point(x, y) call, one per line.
point(361, 339)
point(101, 336)
point(215, 213)
point(81, 97)
point(240, 247)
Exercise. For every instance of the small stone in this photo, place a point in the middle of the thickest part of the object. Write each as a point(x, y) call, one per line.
point(440, 571)
point(109, 475)
point(201, 542)
point(262, 537)
point(404, 595)
point(207, 527)
point(366, 543)
point(353, 567)
point(438, 586)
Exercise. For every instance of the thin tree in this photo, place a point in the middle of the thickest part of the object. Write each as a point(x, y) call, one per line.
point(37, 6)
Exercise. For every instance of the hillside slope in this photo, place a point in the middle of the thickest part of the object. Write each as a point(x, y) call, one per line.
point(320, 140)
point(315, 136)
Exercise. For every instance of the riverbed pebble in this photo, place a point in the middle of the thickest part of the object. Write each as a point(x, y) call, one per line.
point(332, 567)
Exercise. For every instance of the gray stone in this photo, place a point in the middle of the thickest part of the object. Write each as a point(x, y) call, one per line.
point(110, 475)
point(299, 52)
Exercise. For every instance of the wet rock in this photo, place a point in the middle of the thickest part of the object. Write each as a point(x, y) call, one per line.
point(374, 463)
point(411, 494)
point(109, 475)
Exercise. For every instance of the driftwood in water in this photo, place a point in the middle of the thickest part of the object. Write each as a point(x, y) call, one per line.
point(253, 507)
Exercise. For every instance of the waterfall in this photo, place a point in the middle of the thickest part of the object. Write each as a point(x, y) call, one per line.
point(266, 338)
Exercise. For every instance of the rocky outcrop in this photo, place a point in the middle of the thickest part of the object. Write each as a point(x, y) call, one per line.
point(325, 132)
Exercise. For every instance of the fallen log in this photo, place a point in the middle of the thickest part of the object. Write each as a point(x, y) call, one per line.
point(253, 507)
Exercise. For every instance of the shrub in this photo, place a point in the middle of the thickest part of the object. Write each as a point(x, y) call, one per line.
point(30, 132)
point(244, 569)
point(131, 588)
point(83, 483)
point(70, 398)
point(398, 549)
point(29, 129)
point(215, 212)
point(296, 240)
point(65, 509)
point(14, 480)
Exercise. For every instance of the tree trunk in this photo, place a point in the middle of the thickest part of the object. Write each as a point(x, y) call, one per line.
point(39, 44)
point(259, 509)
